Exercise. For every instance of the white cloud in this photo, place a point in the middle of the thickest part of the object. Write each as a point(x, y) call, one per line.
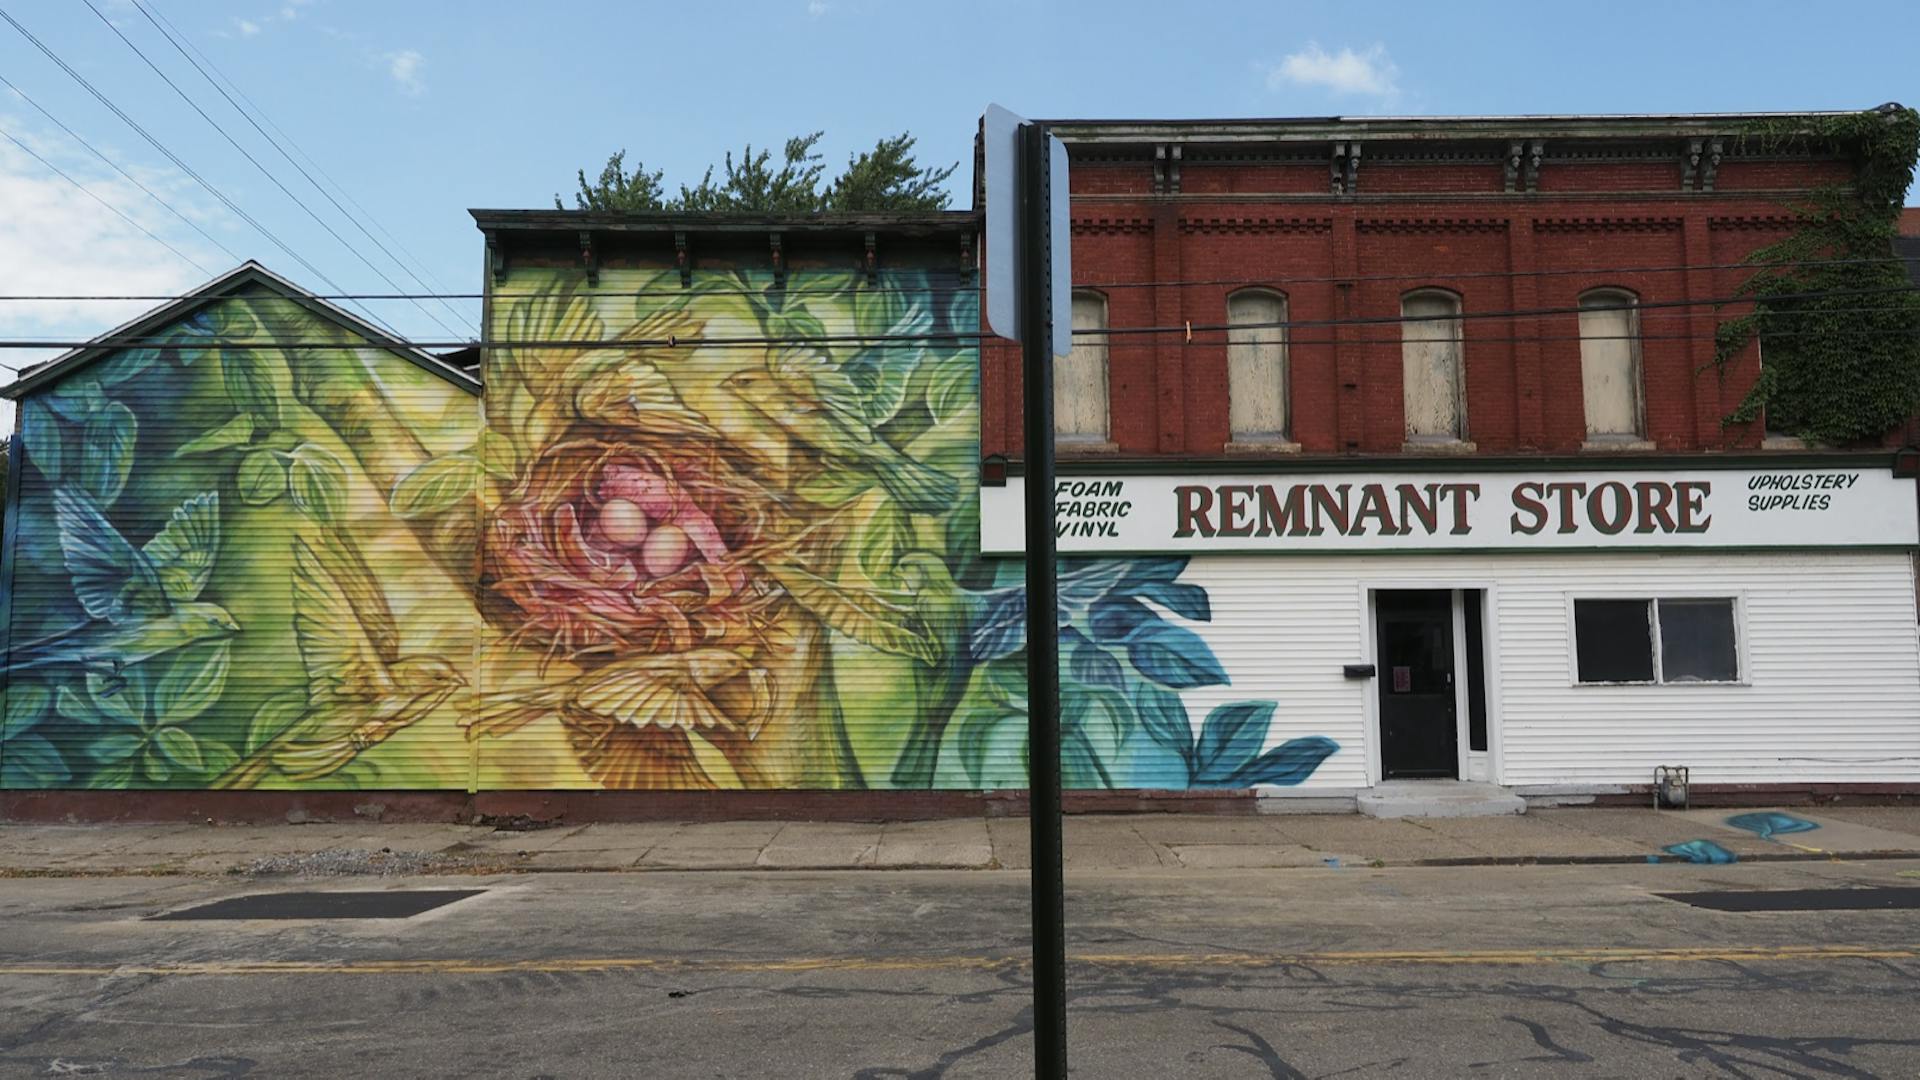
point(405, 68)
point(54, 239)
point(1370, 72)
point(247, 27)
point(817, 8)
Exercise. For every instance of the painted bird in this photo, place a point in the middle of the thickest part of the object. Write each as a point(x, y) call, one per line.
point(360, 690)
point(819, 409)
point(142, 602)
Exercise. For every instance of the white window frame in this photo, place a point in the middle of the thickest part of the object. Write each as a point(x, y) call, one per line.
point(1462, 439)
point(1630, 301)
point(1084, 441)
point(1738, 599)
point(1281, 440)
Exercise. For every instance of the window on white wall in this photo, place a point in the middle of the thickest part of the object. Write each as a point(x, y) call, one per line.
point(1257, 366)
point(1610, 365)
point(1431, 357)
point(1080, 380)
point(1665, 640)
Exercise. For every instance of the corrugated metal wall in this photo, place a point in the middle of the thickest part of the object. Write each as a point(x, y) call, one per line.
point(209, 588)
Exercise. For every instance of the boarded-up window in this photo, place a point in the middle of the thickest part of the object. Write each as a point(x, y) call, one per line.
point(1430, 356)
point(1610, 364)
point(1257, 366)
point(1080, 380)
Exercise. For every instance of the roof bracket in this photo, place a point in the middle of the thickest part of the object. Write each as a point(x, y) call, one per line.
point(1690, 166)
point(589, 258)
point(1173, 169)
point(1345, 167)
point(1160, 168)
point(496, 258)
point(1716, 146)
point(682, 259)
point(1514, 152)
point(779, 260)
point(1535, 151)
point(872, 261)
point(966, 258)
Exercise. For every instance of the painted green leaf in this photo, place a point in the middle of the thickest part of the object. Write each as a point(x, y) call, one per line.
point(248, 378)
point(318, 481)
point(125, 365)
point(76, 708)
point(154, 765)
point(113, 777)
point(26, 706)
point(498, 456)
point(951, 389)
point(106, 451)
point(262, 477)
point(435, 485)
point(275, 715)
point(44, 438)
point(833, 486)
point(118, 746)
point(216, 758)
point(881, 539)
point(180, 747)
point(193, 682)
point(121, 699)
point(34, 759)
point(76, 399)
point(234, 432)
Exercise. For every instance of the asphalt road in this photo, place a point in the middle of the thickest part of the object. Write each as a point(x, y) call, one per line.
point(1482, 972)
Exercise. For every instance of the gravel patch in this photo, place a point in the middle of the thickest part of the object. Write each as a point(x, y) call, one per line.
point(357, 862)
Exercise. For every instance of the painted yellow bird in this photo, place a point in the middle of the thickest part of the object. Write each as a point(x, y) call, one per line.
point(360, 689)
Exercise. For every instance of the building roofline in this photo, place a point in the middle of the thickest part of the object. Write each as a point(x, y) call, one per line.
point(1307, 128)
point(226, 285)
point(897, 223)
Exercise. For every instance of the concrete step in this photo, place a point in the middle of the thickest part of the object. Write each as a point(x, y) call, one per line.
point(1438, 799)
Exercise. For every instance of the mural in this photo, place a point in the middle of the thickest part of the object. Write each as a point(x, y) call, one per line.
point(679, 559)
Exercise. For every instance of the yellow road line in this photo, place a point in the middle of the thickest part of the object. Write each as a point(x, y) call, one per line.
point(458, 966)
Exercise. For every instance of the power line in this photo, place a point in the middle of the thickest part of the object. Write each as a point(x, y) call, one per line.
point(84, 190)
point(135, 181)
point(151, 140)
point(943, 290)
point(255, 162)
point(277, 147)
point(152, 10)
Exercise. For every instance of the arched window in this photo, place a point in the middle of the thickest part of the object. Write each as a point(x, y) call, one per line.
point(1610, 365)
point(1431, 359)
point(1257, 366)
point(1080, 380)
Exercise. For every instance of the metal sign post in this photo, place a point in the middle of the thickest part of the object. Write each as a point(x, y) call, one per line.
point(1027, 170)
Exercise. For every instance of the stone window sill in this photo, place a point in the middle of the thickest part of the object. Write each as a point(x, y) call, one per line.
point(1783, 442)
point(1257, 447)
point(1616, 446)
point(1084, 447)
point(1438, 446)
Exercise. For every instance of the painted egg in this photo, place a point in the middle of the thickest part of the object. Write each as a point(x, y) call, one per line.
point(622, 523)
point(665, 551)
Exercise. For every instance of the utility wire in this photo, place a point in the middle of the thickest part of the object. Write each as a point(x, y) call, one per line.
point(418, 270)
point(936, 290)
point(283, 153)
point(135, 181)
point(255, 162)
point(84, 190)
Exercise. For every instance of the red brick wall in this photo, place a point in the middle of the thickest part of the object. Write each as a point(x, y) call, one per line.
point(1447, 224)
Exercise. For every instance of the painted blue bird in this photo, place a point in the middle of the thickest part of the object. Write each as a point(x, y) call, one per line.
point(141, 602)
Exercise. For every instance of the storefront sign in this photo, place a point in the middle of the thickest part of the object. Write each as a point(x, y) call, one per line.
point(1796, 507)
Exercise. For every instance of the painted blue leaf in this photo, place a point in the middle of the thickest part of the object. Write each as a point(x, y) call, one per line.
point(1766, 824)
point(1173, 656)
point(1230, 738)
point(1116, 617)
point(125, 365)
point(1186, 601)
point(46, 442)
point(1701, 851)
point(1289, 763)
point(1164, 569)
point(1164, 718)
point(1002, 629)
point(1089, 663)
point(75, 399)
point(1082, 583)
point(106, 452)
point(1080, 766)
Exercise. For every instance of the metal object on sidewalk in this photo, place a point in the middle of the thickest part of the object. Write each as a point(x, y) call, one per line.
point(1670, 787)
point(384, 904)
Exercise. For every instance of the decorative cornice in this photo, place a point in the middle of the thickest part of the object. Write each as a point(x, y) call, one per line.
point(1752, 221)
point(1256, 225)
point(1636, 223)
point(1111, 226)
point(1431, 224)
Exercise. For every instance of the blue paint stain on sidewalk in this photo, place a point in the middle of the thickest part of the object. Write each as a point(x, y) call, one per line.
point(1701, 851)
point(1767, 824)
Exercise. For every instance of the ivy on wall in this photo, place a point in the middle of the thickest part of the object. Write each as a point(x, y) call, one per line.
point(1833, 309)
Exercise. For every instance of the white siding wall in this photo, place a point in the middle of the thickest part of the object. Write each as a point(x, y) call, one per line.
point(1830, 656)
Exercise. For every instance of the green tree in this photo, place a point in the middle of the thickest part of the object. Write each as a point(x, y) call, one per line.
point(884, 178)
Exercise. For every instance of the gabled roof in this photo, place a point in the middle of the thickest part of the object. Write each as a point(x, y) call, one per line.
point(240, 279)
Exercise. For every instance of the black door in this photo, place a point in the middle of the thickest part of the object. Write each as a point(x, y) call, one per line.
point(1417, 733)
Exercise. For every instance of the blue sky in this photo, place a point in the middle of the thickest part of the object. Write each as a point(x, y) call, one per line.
point(421, 110)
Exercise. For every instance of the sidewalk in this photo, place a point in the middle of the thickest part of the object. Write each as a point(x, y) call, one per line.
point(1093, 843)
